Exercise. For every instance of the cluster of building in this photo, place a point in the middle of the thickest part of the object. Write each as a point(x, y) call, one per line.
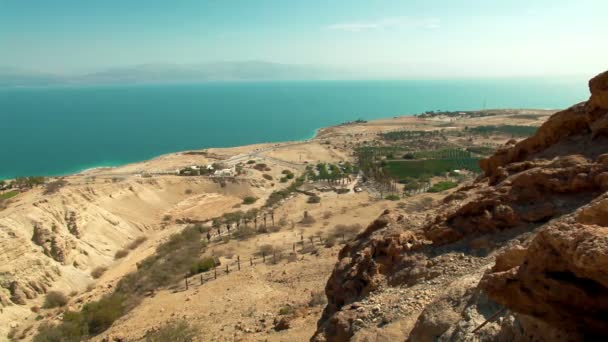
point(208, 170)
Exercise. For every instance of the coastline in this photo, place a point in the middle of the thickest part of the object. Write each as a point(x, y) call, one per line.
point(318, 133)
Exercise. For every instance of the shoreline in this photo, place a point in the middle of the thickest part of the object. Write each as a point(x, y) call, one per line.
point(316, 134)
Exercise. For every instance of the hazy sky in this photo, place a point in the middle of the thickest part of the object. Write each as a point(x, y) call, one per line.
point(410, 39)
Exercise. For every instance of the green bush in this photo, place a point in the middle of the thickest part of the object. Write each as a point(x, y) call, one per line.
point(392, 197)
point(267, 176)
point(177, 331)
point(54, 299)
point(203, 265)
point(249, 200)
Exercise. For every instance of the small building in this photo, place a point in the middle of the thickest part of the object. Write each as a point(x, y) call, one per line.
point(225, 173)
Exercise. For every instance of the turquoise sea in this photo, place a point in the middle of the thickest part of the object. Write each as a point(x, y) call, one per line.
point(62, 130)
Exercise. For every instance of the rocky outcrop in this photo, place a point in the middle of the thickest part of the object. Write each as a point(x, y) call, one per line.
point(53, 244)
point(561, 278)
point(539, 212)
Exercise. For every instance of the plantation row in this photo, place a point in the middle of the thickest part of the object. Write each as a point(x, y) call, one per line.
point(512, 130)
point(437, 167)
point(405, 135)
point(450, 153)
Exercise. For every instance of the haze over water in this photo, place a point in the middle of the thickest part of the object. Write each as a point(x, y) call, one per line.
point(61, 130)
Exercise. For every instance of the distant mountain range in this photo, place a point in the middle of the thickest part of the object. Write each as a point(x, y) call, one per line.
point(170, 73)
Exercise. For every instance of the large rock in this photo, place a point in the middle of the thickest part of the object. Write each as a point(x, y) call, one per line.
point(599, 92)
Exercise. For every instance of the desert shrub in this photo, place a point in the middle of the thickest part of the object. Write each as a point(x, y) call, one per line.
point(283, 180)
point(93, 319)
point(309, 249)
point(251, 162)
point(171, 261)
point(286, 310)
point(249, 200)
point(327, 214)
point(176, 331)
point(341, 191)
point(138, 241)
point(266, 249)
point(346, 231)
point(54, 299)
point(392, 198)
point(292, 257)
point(330, 241)
point(290, 176)
point(167, 218)
point(203, 265)
point(282, 222)
point(317, 298)
point(267, 176)
point(53, 187)
point(307, 219)
point(260, 166)
point(188, 191)
point(121, 253)
point(98, 272)
point(243, 232)
point(313, 199)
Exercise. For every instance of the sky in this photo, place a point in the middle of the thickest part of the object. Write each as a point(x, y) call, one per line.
point(379, 38)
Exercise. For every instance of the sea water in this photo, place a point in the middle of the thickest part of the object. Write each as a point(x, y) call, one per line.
point(62, 130)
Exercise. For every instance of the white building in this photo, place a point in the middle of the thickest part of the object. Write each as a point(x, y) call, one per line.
point(225, 173)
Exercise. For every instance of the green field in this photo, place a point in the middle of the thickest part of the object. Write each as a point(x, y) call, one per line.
point(418, 168)
point(8, 195)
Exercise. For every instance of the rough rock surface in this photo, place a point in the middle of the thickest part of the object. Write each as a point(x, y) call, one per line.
point(538, 214)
